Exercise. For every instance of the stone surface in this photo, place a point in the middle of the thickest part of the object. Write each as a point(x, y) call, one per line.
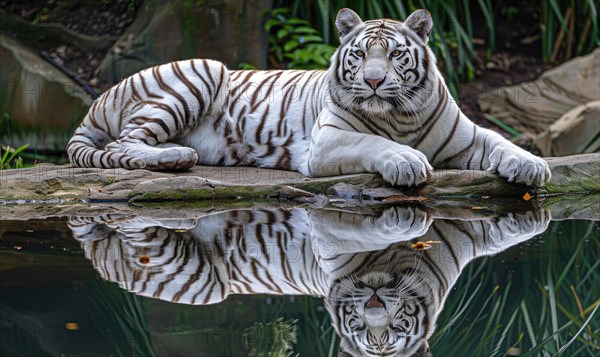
point(381, 193)
point(231, 32)
point(52, 183)
point(39, 105)
point(578, 173)
point(51, 35)
point(575, 132)
point(343, 190)
point(533, 106)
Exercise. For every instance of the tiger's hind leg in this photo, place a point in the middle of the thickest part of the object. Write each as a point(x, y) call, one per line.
point(173, 101)
point(164, 156)
point(147, 137)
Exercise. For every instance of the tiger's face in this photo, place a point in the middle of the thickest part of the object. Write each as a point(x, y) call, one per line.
point(382, 313)
point(382, 65)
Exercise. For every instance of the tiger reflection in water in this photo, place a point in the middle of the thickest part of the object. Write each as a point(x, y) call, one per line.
point(384, 297)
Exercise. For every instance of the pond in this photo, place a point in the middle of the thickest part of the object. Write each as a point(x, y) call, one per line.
point(391, 280)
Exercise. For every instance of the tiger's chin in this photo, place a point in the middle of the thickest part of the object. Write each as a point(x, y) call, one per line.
point(377, 105)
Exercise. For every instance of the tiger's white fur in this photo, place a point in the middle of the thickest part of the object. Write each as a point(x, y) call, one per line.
point(381, 107)
point(344, 257)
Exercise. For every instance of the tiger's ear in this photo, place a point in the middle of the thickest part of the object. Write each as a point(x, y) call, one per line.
point(421, 23)
point(346, 21)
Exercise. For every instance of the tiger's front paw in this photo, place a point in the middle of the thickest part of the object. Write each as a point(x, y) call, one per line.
point(406, 168)
point(518, 165)
point(516, 227)
point(405, 221)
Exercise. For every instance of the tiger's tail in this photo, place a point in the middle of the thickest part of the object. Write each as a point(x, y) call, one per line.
point(84, 152)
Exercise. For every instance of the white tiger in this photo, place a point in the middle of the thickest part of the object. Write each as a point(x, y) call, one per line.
point(383, 296)
point(381, 107)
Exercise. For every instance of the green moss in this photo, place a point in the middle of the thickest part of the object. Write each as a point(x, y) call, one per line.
point(572, 186)
point(322, 184)
point(212, 205)
point(218, 192)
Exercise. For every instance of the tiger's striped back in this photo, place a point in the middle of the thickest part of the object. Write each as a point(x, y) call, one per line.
point(262, 118)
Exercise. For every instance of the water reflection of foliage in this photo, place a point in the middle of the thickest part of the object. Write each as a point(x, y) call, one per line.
point(288, 326)
point(127, 313)
point(274, 338)
point(554, 314)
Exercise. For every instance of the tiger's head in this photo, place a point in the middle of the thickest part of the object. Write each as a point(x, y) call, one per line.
point(382, 65)
point(382, 312)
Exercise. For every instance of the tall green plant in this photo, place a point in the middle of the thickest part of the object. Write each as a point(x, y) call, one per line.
point(271, 339)
point(569, 28)
point(11, 156)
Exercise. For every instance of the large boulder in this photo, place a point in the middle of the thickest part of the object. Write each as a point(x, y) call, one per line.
point(47, 35)
point(39, 105)
point(559, 113)
point(533, 106)
point(164, 31)
point(575, 132)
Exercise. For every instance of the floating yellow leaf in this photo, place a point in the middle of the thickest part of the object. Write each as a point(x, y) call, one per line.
point(72, 326)
point(421, 246)
point(424, 245)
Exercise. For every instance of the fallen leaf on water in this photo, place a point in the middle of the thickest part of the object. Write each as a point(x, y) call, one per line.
point(424, 245)
point(72, 326)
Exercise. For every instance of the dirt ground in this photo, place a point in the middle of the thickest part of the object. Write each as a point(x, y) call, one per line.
point(92, 17)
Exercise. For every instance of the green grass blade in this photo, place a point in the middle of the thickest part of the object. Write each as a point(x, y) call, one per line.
point(592, 141)
point(553, 312)
point(460, 31)
point(507, 128)
point(594, 16)
point(468, 21)
point(488, 14)
point(528, 324)
point(558, 14)
point(567, 267)
point(593, 269)
point(564, 348)
point(505, 332)
point(17, 151)
point(534, 351)
point(3, 160)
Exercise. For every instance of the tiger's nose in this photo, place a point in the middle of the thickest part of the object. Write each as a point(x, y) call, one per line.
point(374, 83)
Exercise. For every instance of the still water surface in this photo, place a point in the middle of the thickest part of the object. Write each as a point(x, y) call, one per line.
point(309, 282)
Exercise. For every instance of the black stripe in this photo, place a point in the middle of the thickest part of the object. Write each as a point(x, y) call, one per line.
point(458, 154)
point(448, 138)
point(193, 89)
point(164, 86)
